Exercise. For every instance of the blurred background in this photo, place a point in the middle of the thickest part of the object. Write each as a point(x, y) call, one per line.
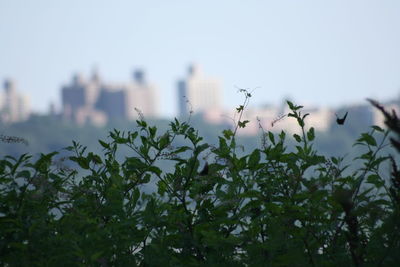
point(70, 68)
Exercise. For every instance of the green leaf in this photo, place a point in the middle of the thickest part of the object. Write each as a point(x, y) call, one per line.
point(164, 141)
point(161, 187)
point(223, 146)
point(155, 169)
point(201, 148)
point(300, 122)
point(282, 136)
point(227, 134)
point(367, 138)
point(254, 159)
point(141, 123)
point(96, 159)
point(82, 162)
point(181, 149)
point(242, 124)
point(146, 178)
point(25, 173)
point(104, 144)
point(271, 137)
point(153, 131)
point(377, 128)
point(378, 161)
point(240, 108)
point(375, 180)
point(134, 135)
point(290, 104)
point(297, 137)
point(133, 163)
point(121, 140)
point(311, 134)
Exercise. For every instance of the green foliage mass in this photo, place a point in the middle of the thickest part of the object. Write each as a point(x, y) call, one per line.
point(214, 206)
point(46, 134)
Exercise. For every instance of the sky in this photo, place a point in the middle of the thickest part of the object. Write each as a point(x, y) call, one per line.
point(324, 53)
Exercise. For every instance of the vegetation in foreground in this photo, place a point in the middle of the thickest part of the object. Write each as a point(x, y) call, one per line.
point(216, 206)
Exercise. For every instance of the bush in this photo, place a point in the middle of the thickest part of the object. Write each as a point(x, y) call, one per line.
point(213, 205)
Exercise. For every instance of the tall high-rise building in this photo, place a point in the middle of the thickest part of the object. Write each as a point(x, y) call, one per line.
point(79, 98)
point(14, 106)
point(136, 96)
point(96, 101)
point(198, 93)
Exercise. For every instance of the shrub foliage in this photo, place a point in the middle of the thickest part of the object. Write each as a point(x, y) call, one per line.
point(213, 205)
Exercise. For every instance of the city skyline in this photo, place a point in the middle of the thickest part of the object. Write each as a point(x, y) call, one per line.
point(185, 104)
point(329, 54)
point(93, 100)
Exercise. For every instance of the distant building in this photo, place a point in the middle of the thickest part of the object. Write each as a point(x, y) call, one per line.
point(79, 99)
point(198, 93)
point(14, 106)
point(141, 96)
point(94, 101)
point(320, 118)
point(360, 114)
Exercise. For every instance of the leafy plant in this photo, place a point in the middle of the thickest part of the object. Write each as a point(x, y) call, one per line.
point(211, 205)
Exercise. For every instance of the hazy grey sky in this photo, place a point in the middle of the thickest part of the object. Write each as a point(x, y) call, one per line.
point(316, 52)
